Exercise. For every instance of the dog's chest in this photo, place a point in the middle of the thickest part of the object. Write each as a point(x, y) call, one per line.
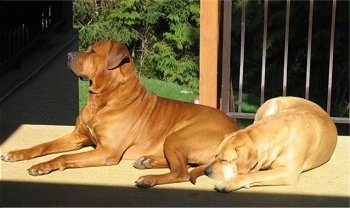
point(93, 107)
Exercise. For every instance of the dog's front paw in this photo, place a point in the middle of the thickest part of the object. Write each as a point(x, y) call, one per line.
point(222, 189)
point(12, 157)
point(145, 182)
point(6, 157)
point(226, 186)
point(142, 163)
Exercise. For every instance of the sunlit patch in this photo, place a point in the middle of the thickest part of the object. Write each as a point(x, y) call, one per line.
point(228, 172)
point(91, 131)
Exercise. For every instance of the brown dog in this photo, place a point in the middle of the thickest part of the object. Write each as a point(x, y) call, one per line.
point(122, 120)
point(289, 135)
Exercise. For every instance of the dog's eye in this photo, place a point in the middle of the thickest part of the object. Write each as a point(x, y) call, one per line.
point(224, 161)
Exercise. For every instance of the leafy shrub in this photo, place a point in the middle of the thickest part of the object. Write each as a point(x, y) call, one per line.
point(162, 36)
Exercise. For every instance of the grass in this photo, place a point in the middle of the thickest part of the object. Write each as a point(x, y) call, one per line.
point(250, 103)
point(169, 90)
point(160, 88)
point(83, 93)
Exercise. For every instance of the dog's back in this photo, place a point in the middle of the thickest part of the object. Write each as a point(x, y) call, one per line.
point(310, 122)
point(279, 104)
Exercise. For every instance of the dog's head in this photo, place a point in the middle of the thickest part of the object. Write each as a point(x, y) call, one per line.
point(235, 156)
point(100, 62)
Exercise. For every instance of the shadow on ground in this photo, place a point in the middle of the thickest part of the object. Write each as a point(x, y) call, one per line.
point(39, 194)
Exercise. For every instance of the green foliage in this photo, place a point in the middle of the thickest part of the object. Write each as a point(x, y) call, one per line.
point(162, 35)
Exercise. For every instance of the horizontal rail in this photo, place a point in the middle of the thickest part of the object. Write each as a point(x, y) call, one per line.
point(252, 115)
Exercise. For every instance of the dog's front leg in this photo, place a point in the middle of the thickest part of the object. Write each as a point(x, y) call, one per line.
point(152, 180)
point(97, 157)
point(69, 142)
point(273, 177)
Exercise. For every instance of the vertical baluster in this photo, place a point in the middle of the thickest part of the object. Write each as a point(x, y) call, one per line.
point(263, 65)
point(309, 40)
point(286, 41)
point(331, 51)
point(241, 64)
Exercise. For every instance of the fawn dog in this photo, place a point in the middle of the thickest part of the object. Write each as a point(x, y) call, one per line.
point(289, 135)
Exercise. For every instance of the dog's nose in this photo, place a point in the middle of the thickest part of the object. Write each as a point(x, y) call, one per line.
point(208, 170)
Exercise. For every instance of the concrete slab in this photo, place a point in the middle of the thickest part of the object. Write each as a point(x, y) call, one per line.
point(328, 185)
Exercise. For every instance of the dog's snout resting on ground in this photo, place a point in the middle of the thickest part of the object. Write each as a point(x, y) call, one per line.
point(122, 120)
point(289, 135)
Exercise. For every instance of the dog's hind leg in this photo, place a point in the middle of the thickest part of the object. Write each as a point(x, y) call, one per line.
point(178, 168)
point(150, 161)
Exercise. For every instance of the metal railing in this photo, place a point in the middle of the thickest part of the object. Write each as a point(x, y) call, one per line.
point(227, 101)
point(24, 22)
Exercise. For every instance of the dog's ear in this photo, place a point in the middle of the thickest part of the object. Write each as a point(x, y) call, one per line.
point(117, 55)
point(247, 159)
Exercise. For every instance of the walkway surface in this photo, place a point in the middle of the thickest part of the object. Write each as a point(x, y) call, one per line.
point(328, 185)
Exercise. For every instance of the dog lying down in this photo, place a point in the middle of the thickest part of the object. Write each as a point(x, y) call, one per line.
point(122, 120)
point(289, 135)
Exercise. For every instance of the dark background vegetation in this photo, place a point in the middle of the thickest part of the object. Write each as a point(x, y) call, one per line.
point(298, 34)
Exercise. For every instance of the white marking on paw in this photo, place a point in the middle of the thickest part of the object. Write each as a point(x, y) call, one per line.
point(5, 157)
